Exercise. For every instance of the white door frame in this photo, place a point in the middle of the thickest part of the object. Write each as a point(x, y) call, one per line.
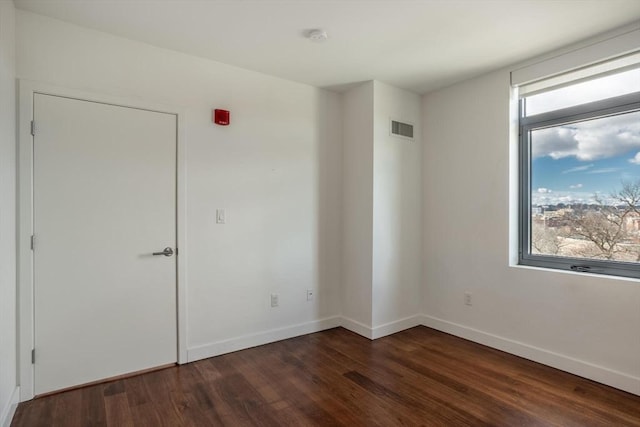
point(26, 91)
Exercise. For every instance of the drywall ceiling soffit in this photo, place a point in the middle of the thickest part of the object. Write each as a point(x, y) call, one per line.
point(412, 44)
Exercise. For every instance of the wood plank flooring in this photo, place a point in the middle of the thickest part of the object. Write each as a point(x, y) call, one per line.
point(416, 377)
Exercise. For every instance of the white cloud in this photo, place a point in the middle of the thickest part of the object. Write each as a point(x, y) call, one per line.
point(557, 142)
point(573, 187)
point(579, 168)
point(590, 140)
point(604, 170)
point(542, 190)
point(636, 159)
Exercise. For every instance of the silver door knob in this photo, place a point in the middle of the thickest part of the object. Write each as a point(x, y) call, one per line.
point(166, 252)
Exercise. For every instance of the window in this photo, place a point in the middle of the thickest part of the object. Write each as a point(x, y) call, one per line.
point(580, 171)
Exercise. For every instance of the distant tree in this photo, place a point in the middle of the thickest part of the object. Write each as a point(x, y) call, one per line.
point(604, 225)
point(629, 196)
point(547, 240)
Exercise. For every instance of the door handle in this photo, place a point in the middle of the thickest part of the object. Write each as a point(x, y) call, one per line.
point(166, 252)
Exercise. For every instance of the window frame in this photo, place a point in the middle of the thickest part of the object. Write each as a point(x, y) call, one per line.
point(598, 109)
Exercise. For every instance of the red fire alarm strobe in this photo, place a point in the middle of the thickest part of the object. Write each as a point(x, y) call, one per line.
point(221, 117)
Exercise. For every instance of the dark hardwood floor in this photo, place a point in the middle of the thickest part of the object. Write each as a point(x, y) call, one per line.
point(416, 377)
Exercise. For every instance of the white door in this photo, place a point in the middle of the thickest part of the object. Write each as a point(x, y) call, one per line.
point(104, 201)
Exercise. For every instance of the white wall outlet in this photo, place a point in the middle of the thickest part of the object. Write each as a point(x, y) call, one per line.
point(274, 300)
point(310, 294)
point(467, 298)
point(221, 216)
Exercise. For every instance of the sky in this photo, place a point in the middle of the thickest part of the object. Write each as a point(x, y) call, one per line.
point(574, 162)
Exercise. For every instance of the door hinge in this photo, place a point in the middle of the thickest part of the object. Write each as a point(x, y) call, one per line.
point(33, 127)
point(33, 241)
point(33, 355)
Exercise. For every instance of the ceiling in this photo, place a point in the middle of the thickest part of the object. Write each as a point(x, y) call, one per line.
point(419, 45)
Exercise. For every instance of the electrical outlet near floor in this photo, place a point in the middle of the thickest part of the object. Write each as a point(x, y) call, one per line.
point(221, 216)
point(310, 294)
point(274, 300)
point(467, 298)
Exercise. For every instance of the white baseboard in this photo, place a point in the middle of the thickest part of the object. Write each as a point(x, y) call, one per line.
point(266, 337)
point(382, 330)
point(357, 327)
point(10, 408)
point(584, 369)
point(396, 326)
point(600, 374)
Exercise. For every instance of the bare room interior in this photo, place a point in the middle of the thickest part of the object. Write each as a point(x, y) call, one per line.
point(319, 212)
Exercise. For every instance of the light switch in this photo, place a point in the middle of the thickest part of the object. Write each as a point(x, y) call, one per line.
point(221, 217)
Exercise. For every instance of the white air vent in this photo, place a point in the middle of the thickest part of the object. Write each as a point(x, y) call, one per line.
point(404, 130)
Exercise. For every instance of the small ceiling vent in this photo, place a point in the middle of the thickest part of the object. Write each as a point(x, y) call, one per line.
point(404, 130)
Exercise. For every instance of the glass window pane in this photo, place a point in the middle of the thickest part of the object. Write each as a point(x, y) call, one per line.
point(581, 93)
point(585, 189)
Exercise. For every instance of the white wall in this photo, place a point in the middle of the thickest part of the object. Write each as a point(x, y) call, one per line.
point(276, 170)
point(8, 338)
point(358, 207)
point(382, 211)
point(585, 324)
point(397, 208)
